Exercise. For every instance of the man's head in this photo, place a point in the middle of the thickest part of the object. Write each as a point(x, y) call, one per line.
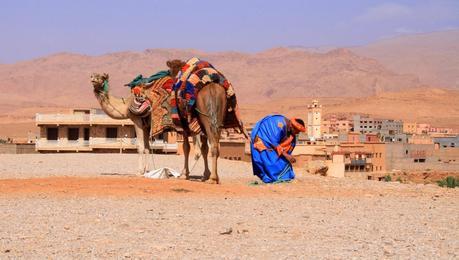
point(297, 125)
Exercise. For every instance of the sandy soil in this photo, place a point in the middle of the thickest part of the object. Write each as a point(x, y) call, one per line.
point(93, 205)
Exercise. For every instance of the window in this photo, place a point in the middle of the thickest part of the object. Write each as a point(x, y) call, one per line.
point(86, 134)
point(112, 132)
point(51, 133)
point(72, 133)
point(406, 151)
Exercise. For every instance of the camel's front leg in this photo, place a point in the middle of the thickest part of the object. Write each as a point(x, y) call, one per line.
point(186, 153)
point(146, 152)
point(141, 158)
point(140, 146)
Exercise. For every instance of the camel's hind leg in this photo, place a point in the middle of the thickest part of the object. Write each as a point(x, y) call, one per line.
point(215, 152)
point(186, 152)
point(204, 153)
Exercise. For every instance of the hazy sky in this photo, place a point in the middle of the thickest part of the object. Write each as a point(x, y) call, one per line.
point(30, 29)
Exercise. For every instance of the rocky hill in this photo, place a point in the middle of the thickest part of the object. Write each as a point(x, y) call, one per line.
point(63, 79)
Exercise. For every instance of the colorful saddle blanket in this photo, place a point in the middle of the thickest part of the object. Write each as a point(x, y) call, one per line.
point(173, 100)
point(160, 95)
point(191, 79)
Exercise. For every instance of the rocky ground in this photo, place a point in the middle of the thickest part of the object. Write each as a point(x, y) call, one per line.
point(93, 206)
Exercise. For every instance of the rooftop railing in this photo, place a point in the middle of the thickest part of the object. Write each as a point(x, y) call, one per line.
point(80, 118)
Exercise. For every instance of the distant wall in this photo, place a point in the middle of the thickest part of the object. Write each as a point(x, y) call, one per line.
point(17, 148)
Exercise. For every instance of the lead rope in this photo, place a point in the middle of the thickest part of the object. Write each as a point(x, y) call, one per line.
point(153, 160)
point(195, 162)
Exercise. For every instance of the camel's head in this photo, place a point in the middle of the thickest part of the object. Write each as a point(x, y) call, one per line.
point(99, 82)
point(175, 66)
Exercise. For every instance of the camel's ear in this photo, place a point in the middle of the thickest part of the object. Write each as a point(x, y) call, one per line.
point(105, 76)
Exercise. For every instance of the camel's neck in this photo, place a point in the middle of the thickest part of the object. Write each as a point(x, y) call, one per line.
point(114, 107)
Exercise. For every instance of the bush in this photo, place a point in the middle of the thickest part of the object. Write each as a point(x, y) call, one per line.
point(449, 182)
point(387, 178)
point(399, 179)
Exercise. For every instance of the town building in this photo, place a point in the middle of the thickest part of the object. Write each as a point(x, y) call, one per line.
point(366, 125)
point(409, 128)
point(91, 130)
point(388, 130)
point(446, 142)
point(421, 157)
point(336, 126)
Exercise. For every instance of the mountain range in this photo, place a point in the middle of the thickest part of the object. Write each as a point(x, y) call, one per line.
point(404, 67)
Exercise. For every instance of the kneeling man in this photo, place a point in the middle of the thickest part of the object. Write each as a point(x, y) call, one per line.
point(272, 142)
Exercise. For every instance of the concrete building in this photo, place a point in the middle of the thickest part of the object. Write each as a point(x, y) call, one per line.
point(420, 139)
point(446, 141)
point(354, 137)
point(366, 125)
point(422, 129)
point(421, 157)
point(359, 159)
point(409, 128)
point(314, 120)
point(415, 128)
point(387, 129)
point(91, 130)
point(335, 126)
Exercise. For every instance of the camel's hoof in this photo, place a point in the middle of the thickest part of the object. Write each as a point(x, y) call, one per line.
point(212, 181)
point(184, 177)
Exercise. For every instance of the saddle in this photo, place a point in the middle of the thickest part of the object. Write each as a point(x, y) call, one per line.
point(172, 101)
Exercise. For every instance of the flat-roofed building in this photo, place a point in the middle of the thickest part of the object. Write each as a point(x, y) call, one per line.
point(91, 130)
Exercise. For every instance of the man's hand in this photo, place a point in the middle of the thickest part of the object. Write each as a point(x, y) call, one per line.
point(290, 158)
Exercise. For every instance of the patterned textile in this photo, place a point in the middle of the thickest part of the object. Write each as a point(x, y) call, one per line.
point(140, 106)
point(160, 96)
point(191, 79)
point(140, 80)
point(167, 103)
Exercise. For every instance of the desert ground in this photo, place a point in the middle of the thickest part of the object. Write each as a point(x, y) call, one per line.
point(94, 206)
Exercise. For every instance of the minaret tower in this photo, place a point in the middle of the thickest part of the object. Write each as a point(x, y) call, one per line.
point(314, 120)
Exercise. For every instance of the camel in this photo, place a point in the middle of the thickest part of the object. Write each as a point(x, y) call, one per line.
point(211, 104)
point(118, 108)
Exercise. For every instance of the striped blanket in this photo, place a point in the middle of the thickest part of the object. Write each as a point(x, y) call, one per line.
point(173, 100)
point(191, 79)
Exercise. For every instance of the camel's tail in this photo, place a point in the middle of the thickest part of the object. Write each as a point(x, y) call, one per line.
point(214, 107)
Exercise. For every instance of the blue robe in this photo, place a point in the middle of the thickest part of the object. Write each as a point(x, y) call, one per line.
point(267, 164)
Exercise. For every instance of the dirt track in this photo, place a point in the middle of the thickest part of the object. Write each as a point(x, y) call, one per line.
point(81, 206)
